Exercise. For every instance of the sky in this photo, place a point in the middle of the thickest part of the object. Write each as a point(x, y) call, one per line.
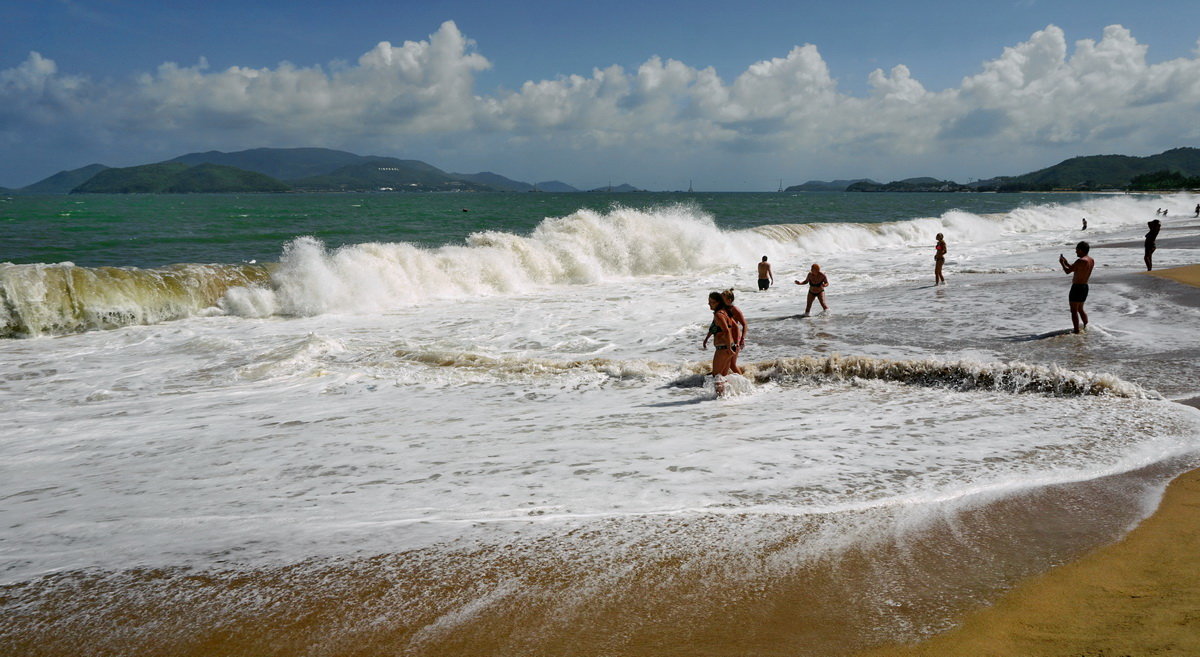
point(727, 96)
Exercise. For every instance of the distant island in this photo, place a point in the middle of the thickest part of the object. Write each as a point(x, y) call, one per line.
point(267, 170)
point(827, 186)
point(1176, 169)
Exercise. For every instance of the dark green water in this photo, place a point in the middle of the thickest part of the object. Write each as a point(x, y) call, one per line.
point(156, 230)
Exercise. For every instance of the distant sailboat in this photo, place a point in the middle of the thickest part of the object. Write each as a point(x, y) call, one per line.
point(689, 186)
point(781, 184)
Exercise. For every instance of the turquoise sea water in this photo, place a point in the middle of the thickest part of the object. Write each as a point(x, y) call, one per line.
point(158, 230)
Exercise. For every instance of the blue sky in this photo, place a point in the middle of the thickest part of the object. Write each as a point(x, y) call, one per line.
point(731, 95)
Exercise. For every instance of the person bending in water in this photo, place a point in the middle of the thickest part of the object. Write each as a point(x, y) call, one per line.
point(765, 276)
point(1081, 271)
point(739, 319)
point(939, 258)
point(1151, 239)
point(723, 331)
point(816, 282)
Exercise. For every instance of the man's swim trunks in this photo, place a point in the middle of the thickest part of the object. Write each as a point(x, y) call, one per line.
point(764, 283)
point(1079, 292)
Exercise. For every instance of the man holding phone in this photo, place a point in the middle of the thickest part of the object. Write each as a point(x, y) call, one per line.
point(1081, 271)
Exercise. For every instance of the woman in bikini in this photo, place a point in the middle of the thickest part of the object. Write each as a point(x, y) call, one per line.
point(738, 318)
point(816, 282)
point(939, 258)
point(723, 331)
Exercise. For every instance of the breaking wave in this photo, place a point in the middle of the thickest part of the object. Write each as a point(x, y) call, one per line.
point(584, 247)
point(959, 375)
point(62, 298)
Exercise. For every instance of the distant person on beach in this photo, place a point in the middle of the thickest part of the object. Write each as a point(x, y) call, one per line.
point(739, 319)
point(765, 276)
point(1081, 271)
point(1084, 224)
point(816, 282)
point(939, 259)
point(1197, 210)
point(723, 331)
point(1151, 237)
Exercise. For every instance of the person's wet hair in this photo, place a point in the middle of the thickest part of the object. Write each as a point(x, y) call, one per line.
point(1083, 247)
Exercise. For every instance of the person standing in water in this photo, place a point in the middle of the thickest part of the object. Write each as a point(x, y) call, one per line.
point(816, 282)
point(1151, 239)
point(1084, 224)
point(765, 276)
point(1081, 271)
point(723, 331)
point(739, 319)
point(939, 259)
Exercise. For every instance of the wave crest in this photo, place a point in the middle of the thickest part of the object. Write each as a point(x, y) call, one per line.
point(962, 375)
point(63, 298)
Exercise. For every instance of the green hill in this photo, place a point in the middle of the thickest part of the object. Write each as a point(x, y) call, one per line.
point(388, 174)
point(64, 181)
point(178, 178)
point(554, 186)
point(279, 163)
point(310, 169)
point(1100, 172)
point(495, 181)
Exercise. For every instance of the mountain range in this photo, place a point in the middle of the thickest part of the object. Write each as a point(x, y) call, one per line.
point(279, 169)
point(1086, 173)
point(327, 170)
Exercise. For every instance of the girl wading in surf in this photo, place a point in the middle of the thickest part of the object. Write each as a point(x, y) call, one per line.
point(724, 332)
point(739, 319)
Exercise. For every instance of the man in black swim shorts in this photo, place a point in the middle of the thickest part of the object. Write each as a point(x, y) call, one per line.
point(1078, 293)
point(1081, 271)
point(765, 276)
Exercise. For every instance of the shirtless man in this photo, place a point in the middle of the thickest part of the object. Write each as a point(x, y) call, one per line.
point(1081, 271)
point(765, 277)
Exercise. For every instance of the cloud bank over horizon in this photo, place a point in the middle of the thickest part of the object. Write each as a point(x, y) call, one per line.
point(1037, 102)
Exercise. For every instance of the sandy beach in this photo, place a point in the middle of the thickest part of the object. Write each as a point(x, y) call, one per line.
point(1139, 596)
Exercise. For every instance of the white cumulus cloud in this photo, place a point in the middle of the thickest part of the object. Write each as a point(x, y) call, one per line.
point(1041, 95)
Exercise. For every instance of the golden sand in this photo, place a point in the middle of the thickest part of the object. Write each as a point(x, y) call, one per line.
point(1189, 275)
point(1140, 596)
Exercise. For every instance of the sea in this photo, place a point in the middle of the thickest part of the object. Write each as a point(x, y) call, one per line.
point(483, 424)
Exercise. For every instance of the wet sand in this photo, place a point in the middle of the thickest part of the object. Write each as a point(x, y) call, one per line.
point(1139, 596)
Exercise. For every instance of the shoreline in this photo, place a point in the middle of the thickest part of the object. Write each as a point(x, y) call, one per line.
point(1137, 596)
